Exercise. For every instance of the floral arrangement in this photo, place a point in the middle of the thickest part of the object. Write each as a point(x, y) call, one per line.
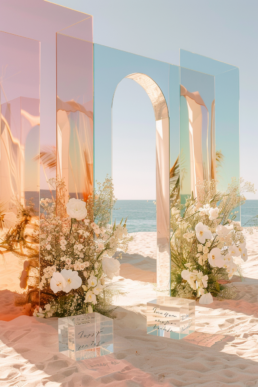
point(207, 244)
point(76, 253)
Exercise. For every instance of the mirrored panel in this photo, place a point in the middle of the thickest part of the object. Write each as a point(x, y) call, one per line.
point(110, 68)
point(32, 66)
point(197, 131)
point(75, 110)
point(19, 167)
point(225, 139)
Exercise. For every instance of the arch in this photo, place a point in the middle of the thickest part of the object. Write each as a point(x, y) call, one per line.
point(161, 113)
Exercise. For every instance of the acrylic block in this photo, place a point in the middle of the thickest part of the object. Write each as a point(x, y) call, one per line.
point(85, 336)
point(171, 317)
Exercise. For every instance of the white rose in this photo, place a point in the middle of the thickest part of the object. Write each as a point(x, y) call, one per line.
point(111, 267)
point(206, 299)
point(76, 209)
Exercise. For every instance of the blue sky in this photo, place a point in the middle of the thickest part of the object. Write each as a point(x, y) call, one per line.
point(225, 30)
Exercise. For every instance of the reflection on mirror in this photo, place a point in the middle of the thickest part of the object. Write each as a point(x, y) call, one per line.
point(19, 179)
point(133, 171)
point(35, 64)
point(197, 113)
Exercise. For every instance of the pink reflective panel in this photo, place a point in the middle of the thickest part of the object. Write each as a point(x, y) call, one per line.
point(75, 111)
point(19, 145)
point(42, 87)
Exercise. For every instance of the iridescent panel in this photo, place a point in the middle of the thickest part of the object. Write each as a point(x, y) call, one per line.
point(110, 67)
point(75, 109)
point(19, 166)
point(28, 52)
point(224, 122)
point(197, 100)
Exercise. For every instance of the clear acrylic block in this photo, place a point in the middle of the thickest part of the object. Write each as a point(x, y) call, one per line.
point(85, 336)
point(171, 317)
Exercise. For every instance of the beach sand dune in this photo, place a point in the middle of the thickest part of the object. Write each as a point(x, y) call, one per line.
point(223, 351)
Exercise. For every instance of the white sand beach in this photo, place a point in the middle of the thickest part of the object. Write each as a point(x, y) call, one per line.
point(223, 351)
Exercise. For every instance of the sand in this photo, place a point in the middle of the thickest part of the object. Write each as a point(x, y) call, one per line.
point(222, 352)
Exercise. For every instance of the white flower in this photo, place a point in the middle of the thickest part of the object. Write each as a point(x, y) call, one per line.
point(215, 258)
point(92, 281)
point(86, 222)
point(111, 267)
point(100, 246)
point(185, 274)
point(234, 251)
point(222, 231)
point(192, 280)
point(227, 258)
point(213, 213)
point(95, 228)
point(57, 282)
point(47, 307)
point(202, 232)
point(244, 254)
point(231, 269)
point(48, 247)
point(91, 297)
point(200, 292)
point(73, 281)
point(98, 288)
point(76, 209)
point(206, 299)
point(243, 251)
point(204, 210)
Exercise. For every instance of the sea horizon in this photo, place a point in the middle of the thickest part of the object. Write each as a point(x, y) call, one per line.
point(141, 214)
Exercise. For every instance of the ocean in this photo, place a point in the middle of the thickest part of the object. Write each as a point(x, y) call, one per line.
point(141, 214)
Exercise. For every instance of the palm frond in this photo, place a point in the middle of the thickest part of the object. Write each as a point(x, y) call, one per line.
point(219, 159)
point(47, 157)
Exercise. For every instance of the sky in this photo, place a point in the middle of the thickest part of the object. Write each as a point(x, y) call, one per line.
point(225, 30)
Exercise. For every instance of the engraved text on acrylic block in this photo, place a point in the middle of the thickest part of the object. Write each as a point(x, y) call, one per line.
point(171, 317)
point(85, 336)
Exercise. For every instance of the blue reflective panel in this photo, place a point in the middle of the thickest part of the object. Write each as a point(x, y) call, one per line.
point(110, 68)
point(226, 93)
point(197, 99)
